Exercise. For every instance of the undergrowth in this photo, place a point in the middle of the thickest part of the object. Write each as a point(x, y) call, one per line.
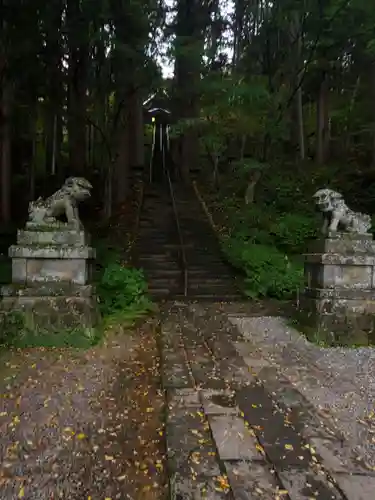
point(265, 240)
point(122, 292)
point(266, 246)
point(122, 299)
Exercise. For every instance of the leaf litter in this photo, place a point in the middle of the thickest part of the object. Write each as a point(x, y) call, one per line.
point(84, 425)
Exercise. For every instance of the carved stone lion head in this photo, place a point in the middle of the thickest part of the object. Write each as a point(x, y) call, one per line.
point(327, 199)
point(78, 187)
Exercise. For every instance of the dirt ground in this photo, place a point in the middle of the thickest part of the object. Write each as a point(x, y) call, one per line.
point(83, 424)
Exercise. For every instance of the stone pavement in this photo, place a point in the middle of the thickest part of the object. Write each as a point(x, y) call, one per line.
point(236, 429)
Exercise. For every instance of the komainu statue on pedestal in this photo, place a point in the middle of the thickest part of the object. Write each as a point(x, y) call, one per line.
point(64, 201)
point(337, 215)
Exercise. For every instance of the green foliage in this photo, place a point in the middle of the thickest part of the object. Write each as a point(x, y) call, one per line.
point(266, 239)
point(288, 232)
point(252, 224)
point(292, 232)
point(269, 272)
point(122, 289)
point(244, 166)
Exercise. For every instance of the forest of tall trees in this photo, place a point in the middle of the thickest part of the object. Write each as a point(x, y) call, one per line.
point(252, 78)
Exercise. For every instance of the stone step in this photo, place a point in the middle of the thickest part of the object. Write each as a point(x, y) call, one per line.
point(208, 273)
point(158, 245)
point(212, 282)
point(160, 272)
point(164, 293)
point(169, 283)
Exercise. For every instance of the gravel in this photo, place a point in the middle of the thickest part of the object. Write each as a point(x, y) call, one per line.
point(338, 380)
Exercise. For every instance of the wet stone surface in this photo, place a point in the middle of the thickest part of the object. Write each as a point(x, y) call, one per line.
point(246, 434)
point(337, 456)
point(358, 487)
point(251, 481)
point(219, 402)
point(188, 435)
point(282, 444)
point(233, 440)
point(224, 400)
point(303, 486)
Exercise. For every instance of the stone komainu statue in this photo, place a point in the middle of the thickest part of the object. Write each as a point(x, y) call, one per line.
point(337, 215)
point(64, 201)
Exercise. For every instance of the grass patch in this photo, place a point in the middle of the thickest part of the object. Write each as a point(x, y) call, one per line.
point(122, 289)
point(122, 300)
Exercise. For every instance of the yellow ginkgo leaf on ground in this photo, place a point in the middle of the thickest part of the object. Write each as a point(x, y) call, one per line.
point(260, 448)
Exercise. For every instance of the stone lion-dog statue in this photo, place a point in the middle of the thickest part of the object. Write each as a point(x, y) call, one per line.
point(337, 215)
point(64, 201)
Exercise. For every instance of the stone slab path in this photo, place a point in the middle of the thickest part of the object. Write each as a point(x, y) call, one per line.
point(238, 429)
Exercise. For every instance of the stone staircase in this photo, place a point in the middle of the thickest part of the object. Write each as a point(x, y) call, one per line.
point(157, 246)
point(158, 249)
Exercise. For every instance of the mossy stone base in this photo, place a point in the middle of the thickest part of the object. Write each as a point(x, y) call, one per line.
point(342, 326)
point(339, 297)
point(53, 306)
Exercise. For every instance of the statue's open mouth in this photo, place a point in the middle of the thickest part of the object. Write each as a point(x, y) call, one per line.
point(85, 193)
point(323, 205)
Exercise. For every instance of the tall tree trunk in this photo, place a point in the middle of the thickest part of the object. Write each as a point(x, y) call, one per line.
point(239, 10)
point(301, 129)
point(121, 170)
point(136, 131)
point(322, 132)
point(77, 118)
point(6, 169)
point(297, 114)
point(192, 19)
point(373, 113)
point(78, 54)
point(54, 107)
point(350, 111)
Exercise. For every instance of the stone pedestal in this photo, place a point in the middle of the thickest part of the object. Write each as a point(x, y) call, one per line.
point(340, 283)
point(51, 275)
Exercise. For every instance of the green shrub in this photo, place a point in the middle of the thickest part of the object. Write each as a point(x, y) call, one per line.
point(284, 192)
point(252, 224)
point(292, 232)
point(268, 271)
point(122, 289)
